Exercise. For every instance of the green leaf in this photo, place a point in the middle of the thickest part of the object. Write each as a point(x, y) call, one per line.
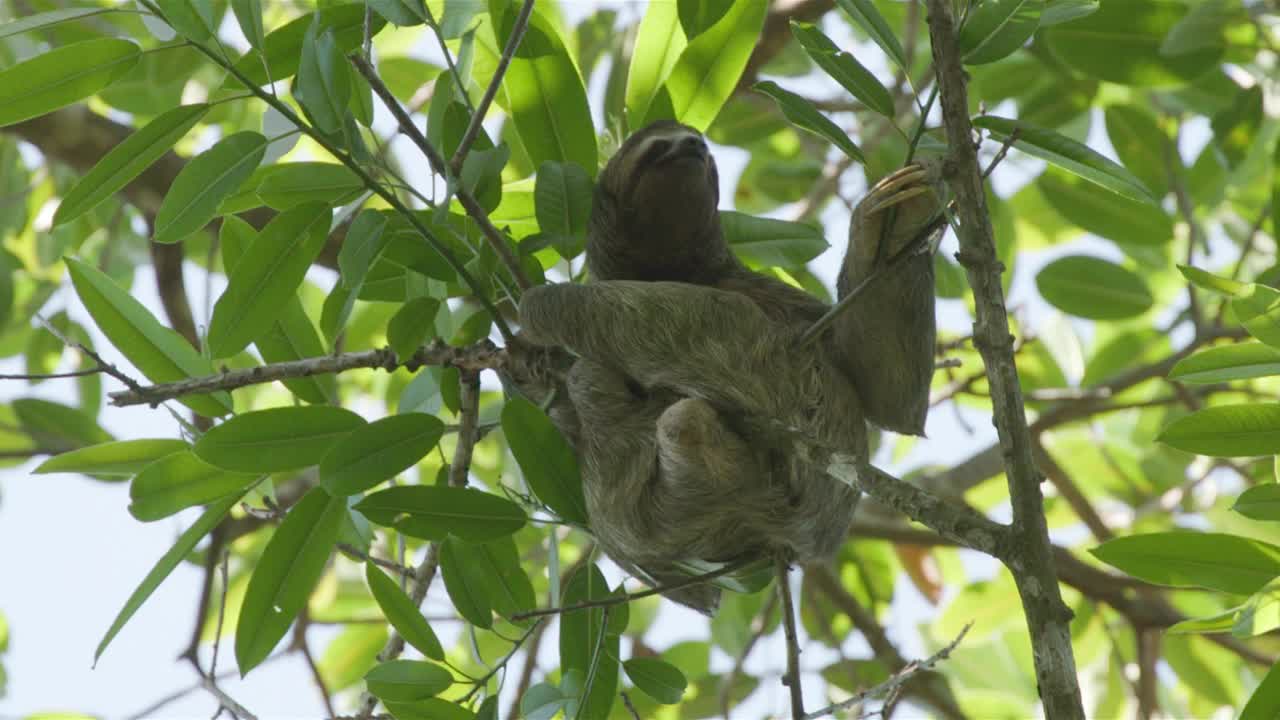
point(277, 439)
point(430, 708)
point(379, 451)
point(1226, 363)
point(844, 68)
point(365, 240)
point(1069, 155)
point(1064, 11)
point(62, 76)
point(289, 568)
point(206, 179)
point(127, 160)
point(465, 581)
point(285, 185)
point(770, 242)
point(181, 549)
point(1264, 704)
point(661, 680)
point(547, 461)
point(407, 680)
point(506, 585)
point(1220, 623)
point(50, 18)
point(404, 13)
point(864, 15)
point(249, 16)
point(1121, 43)
point(292, 337)
point(1212, 283)
point(659, 42)
point(122, 458)
point(1243, 430)
point(1137, 138)
point(1258, 309)
point(709, 68)
point(431, 512)
point(54, 425)
point(267, 276)
point(995, 29)
point(544, 700)
point(412, 324)
point(1261, 502)
point(1093, 288)
point(1112, 216)
point(181, 480)
point(545, 96)
point(160, 353)
point(1228, 563)
point(323, 85)
point(562, 196)
point(193, 19)
point(284, 44)
point(403, 615)
point(805, 116)
point(589, 645)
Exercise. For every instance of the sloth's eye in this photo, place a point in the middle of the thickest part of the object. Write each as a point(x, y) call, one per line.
point(656, 149)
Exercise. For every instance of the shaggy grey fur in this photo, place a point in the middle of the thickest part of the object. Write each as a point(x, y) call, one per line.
point(691, 387)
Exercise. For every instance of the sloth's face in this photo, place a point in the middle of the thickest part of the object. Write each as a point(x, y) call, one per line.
point(666, 168)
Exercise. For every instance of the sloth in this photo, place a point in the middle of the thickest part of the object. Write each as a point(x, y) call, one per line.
point(691, 387)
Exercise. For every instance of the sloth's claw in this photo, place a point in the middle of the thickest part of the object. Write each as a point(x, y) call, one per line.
point(897, 198)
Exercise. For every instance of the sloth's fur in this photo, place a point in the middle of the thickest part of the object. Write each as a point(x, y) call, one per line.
point(690, 387)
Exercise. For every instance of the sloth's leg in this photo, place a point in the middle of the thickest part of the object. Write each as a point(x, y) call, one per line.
point(885, 341)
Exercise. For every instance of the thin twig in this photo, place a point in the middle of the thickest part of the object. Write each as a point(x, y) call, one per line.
point(481, 681)
point(222, 611)
point(53, 376)
point(890, 687)
point(477, 213)
point(628, 597)
point(477, 117)
point(792, 677)
point(483, 354)
point(316, 676)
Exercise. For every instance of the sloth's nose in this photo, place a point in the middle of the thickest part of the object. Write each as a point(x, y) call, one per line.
point(693, 145)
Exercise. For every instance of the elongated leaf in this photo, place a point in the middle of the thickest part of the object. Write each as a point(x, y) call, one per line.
point(1064, 11)
point(864, 15)
point(1257, 307)
point(324, 85)
point(165, 565)
point(208, 178)
point(1213, 283)
point(62, 76)
point(292, 337)
point(193, 19)
point(1226, 363)
point(403, 615)
point(545, 95)
point(407, 680)
point(1121, 43)
point(288, 184)
point(365, 240)
point(1243, 430)
point(378, 451)
point(1220, 623)
point(844, 68)
point(546, 460)
point(284, 44)
point(659, 42)
point(122, 458)
point(431, 512)
point(996, 28)
point(1093, 288)
point(39, 21)
point(1115, 217)
point(179, 481)
point(127, 160)
point(805, 116)
point(1189, 559)
point(431, 708)
point(1264, 704)
point(1133, 130)
point(1261, 502)
point(1069, 155)
point(589, 643)
point(276, 440)
point(506, 584)
point(771, 242)
point(403, 13)
point(267, 277)
point(54, 425)
point(563, 200)
point(412, 324)
point(289, 568)
point(160, 353)
point(661, 680)
point(464, 579)
point(709, 67)
point(249, 16)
